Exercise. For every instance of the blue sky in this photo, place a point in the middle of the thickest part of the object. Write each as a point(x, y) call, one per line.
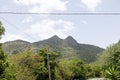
point(97, 30)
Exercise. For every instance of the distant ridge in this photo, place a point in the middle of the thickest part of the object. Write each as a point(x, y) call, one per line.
point(68, 47)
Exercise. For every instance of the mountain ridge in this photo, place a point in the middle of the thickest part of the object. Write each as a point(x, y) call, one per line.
point(68, 47)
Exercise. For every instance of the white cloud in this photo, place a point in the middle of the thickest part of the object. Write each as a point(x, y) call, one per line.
point(44, 5)
point(47, 28)
point(11, 37)
point(91, 4)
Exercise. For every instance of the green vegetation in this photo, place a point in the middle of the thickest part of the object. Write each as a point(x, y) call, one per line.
point(64, 60)
point(35, 66)
point(5, 66)
point(3, 63)
point(69, 48)
point(2, 30)
point(109, 61)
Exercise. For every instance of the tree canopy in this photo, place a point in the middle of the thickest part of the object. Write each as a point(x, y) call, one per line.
point(2, 30)
point(110, 62)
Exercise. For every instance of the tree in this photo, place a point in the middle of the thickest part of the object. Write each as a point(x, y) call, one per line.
point(71, 69)
point(110, 62)
point(63, 70)
point(3, 62)
point(26, 64)
point(113, 67)
point(3, 57)
point(34, 66)
point(2, 30)
point(93, 71)
point(49, 62)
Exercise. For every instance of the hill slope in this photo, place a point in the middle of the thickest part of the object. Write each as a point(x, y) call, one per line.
point(69, 48)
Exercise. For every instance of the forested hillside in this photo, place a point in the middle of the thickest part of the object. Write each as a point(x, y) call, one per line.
point(68, 48)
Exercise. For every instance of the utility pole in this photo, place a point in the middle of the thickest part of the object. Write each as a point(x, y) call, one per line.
point(48, 65)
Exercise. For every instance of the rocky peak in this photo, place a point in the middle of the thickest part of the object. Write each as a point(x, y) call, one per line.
point(71, 41)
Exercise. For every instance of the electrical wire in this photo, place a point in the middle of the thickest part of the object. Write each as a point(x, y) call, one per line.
point(67, 13)
point(17, 28)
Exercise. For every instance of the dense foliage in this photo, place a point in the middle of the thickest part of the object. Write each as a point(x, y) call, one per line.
point(2, 30)
point(109, 61)
point(3, 63)
point(35, 66)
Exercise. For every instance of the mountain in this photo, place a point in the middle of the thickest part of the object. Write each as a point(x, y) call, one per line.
point(70, 41)
point(69, 48)
point(52, 42)
point(15, 46)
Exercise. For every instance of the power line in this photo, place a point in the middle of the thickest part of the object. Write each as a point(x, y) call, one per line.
point(48, 63)
point(17, 28)
point(67, 13)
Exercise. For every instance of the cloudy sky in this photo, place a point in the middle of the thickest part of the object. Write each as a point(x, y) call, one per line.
point(99, 30)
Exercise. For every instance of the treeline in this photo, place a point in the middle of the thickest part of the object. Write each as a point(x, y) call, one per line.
point(34, 66)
